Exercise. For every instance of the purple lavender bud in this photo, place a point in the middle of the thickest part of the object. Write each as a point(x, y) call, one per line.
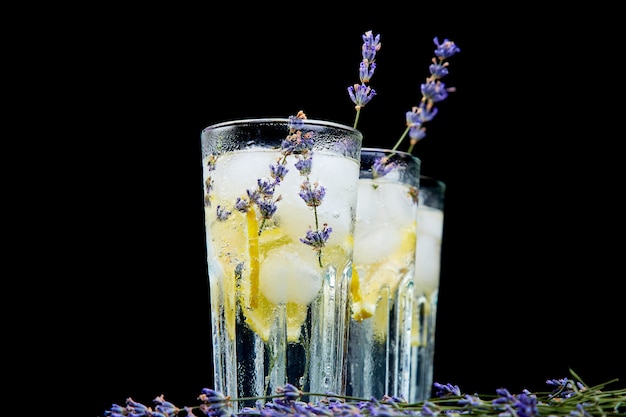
point(222, 214)
point(189, 412)
point(290, 391)
point(266, 186)
point(445, 49)
point(438, 70)
point(208, 185)
point(434, 91)
point(471, 400)
point(210, 163)
point(136, 409)
point(426, 113)
point(167, 408)
point(366, 71)
point(297, 143)
point(580, 411)
point(278, 171)
point(360, 95)
point(526, 405)
point(312, 196)
point(371, 45)
point(317, 239)
point(304, 166)
point(447, 390)
point(417, 133)
point(266, 208)
point(295, 123)
point(253, 195)
point(381, 167)
point(215, 404)
point(242, 205)
point(429, 409)
point(115, 411)
point(505, 396)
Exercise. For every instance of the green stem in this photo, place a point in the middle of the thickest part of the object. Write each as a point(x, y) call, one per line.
point(401, 139)
point(356, 117)
point(317, 228)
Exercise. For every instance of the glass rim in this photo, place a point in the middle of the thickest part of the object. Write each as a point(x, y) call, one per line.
point(388, 151)
point(433, 182)
point(281, 120)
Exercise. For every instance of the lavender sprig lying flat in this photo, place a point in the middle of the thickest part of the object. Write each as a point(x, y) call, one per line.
point(568, 398)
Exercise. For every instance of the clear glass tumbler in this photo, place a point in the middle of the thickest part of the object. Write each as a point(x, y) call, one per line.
point(280, 200)
point(427, 273)
point(380, 350)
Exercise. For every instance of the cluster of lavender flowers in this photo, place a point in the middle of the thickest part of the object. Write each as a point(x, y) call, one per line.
point(568, 398)
point(299, 144)
point(433, 89)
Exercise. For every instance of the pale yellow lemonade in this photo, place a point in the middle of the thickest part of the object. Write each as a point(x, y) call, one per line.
point(427, 276)
point(382, 288)
point(273, 305)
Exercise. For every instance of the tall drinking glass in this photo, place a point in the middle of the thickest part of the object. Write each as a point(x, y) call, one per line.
point(427, 272)
point(280, 201)
point(382, 291)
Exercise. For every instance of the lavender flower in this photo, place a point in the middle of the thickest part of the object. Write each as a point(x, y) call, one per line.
point(586, 402)
point(317, 238)
point(214, 403)
point(312, 194)
point(381, 167)
point(300, 145)
point(222, 213)
point(565, 387)
point(208, 183)
point(447, 390)
point(361, 94)
point(433, 90)
point(291, 392)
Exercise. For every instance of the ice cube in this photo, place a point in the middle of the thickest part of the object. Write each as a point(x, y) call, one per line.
point(375, 242)
point(430, 221)
point(290, 273)
point(237, 172)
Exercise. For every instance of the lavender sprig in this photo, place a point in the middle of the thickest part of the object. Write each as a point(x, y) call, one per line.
point(568, 399)
point(301, 145)
point(361, 94)
point(433, 89)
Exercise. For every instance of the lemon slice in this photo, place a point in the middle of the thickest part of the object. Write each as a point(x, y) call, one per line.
point(228, 242)
point(259, 312)
point(253, 253)
point(373, 285)
point(261, 319)
point(359, 310)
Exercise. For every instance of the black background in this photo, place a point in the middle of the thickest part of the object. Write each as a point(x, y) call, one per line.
point(532, 270)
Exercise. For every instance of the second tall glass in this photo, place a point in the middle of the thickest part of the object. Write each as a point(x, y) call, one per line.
point(383, 291)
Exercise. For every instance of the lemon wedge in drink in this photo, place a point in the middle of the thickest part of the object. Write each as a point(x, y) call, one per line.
point(260, 312)
point(228, 239)
point(372, 285)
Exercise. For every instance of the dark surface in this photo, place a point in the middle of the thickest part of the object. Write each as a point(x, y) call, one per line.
point(533, 238)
